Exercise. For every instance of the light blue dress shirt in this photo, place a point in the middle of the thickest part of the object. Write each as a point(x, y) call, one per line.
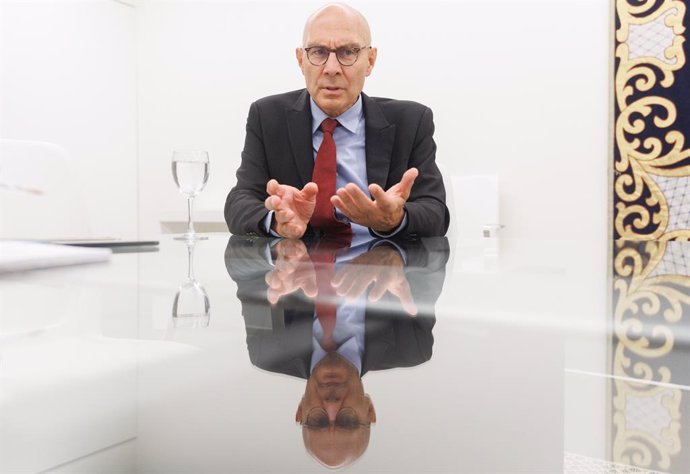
point(350, 145)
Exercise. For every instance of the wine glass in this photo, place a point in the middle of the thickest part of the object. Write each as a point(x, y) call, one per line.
point(191, 306)
point(190, 169)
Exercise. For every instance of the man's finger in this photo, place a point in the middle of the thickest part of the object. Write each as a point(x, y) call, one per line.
point(376, 191)
point(273, 296)
point(272, 202)
point(284, 215)
point(339, 278)
point(407, 181)
point(270, 278)
point(356, 193)
point(404, 294)
point(354, 199)
point(310, 190)
point(382, 199)
point(358, 287)
point(340, 205)
point(377, 292)
point(272, 186)
point(342, 286)
point(310, 289)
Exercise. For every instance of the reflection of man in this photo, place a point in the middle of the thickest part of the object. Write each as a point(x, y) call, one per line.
point(330, 145)
point(287, 337)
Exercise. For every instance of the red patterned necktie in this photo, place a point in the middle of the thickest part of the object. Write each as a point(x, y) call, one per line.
point(324, 176)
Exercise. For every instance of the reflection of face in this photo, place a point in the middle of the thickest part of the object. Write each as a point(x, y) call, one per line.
point(335, 88)
point(335, 412)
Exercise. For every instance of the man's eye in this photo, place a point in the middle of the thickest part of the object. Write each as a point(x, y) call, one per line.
point(320, 52)
point(317, 421)
point(347, 53)
point(347, 421)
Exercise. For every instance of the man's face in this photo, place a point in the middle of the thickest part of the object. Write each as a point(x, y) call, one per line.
point(334, 87)
point(335, 412)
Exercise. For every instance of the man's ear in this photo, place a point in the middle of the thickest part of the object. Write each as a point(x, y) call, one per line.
point(299, 54)
point(298, 415)
point(372, 410)
point(373, 52)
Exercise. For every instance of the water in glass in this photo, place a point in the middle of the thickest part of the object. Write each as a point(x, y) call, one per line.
point(190, 176)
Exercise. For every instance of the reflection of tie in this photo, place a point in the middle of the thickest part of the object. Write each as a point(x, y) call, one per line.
point(324, 175)
point(323, 257)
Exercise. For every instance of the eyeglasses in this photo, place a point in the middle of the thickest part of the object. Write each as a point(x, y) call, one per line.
point(317, 419)
point(346, 55)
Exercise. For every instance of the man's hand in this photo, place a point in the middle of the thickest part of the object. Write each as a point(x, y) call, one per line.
point(293, 271)
point(292, 207)
point(384, 268)
point(384, 211)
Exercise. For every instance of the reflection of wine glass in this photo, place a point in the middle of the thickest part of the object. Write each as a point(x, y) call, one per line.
point(190, 170)
point(191, 306)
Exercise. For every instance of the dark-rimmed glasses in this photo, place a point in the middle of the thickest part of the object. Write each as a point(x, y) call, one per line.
point(346, 55)
point(317, 419)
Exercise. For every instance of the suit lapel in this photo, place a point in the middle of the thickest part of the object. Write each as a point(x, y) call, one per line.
point(299, 129)
point(378, 339)
point(379, 142)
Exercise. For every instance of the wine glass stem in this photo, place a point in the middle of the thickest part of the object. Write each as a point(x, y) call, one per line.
point(190, 225)
point(190, 262)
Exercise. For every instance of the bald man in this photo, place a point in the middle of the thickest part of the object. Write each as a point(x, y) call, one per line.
point(386, 179)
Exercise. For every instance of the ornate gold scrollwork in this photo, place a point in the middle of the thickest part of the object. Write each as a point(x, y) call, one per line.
point(646, 307)
point(642, 211)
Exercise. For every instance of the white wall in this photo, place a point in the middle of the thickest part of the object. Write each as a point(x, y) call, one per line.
point(519, 89)
point(68, 76)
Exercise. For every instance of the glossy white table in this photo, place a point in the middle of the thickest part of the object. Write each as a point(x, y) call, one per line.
point(528, 372)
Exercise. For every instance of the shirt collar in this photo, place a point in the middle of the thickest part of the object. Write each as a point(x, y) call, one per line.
point(350, 119)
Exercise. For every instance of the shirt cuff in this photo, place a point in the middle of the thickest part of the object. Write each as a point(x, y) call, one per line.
point(400, 250)
point(402, 226)
point(267, 225)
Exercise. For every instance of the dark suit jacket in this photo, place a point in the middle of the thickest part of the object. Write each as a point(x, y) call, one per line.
point(278, 145)
point(279, 337)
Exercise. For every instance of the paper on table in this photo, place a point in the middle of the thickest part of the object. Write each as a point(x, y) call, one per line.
point(17, 255)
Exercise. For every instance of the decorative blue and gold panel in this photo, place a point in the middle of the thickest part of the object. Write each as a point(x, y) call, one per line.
point(651, 179)
point(650, 425)
point(651, 356)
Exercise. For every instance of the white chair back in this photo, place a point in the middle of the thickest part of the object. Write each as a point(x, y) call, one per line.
point(476, 202)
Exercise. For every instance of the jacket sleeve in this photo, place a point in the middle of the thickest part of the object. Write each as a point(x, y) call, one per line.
point(244, 206)
point(427, 212)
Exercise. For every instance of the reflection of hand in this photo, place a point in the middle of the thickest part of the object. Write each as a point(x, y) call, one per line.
point(383, 266)
point(293, 271)
point(384, 211)
point(292, 207)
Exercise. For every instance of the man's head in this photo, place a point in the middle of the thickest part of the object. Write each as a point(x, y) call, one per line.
point(333, 86)
point(335, 413)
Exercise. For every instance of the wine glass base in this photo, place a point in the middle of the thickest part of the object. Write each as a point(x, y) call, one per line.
point(190, 237)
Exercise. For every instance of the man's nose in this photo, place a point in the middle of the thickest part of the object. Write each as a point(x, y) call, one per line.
point(332, 411)
point(332, 65)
